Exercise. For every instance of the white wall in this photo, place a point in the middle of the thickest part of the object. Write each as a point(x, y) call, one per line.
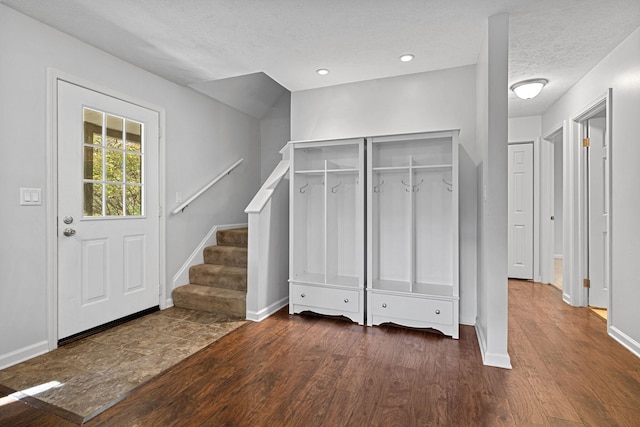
point(620, 70)
point(438, 100)
point(202, 138)
point(492, 133)
point(525, 128)
point(275, 132)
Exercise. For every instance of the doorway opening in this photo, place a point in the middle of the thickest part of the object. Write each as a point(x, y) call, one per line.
point(587, 207)
point(596, 209)
point(553, 147)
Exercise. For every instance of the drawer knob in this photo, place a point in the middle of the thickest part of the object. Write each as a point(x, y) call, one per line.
point(346, 300)
point(384, 305)
point(437, 311)
point(302, 295)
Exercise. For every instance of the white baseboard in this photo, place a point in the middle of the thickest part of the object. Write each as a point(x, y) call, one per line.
point(24, 353)
point(491, 359)
point(629, 343)
point(557, 256)
point(197, 256)
point(258, 316)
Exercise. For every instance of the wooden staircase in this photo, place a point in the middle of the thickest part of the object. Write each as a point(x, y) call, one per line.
point(220, 284)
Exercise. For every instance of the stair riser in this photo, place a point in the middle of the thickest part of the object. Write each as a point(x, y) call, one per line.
point(234, 307)
point(235, 237)
point(221, 279)
point(214, 255)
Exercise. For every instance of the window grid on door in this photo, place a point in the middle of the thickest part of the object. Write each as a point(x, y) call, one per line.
point(113, 181)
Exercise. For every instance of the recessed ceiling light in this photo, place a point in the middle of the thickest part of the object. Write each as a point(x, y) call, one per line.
point(528, 89)
point(406, 57)
point(322, 71)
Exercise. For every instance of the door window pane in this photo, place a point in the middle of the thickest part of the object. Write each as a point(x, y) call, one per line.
point(114, 166)
point(134, 168)
point(134, 200)
point(92, 126)
point(114, 200)
point(134, 136)
point(114, 131)
point(92, 199)
point(92, 163)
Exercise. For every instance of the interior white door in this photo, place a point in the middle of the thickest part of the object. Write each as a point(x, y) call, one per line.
point(520, 203)
point(597, 213)
point(108, 209)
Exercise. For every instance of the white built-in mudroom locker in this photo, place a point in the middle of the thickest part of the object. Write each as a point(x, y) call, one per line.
point(374, 229)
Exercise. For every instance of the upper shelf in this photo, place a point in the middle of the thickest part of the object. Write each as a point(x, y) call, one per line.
point(412, 153)
point(333, 158)
point(322, 171)
point(434, 168)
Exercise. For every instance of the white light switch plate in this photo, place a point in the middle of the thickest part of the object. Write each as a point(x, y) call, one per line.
point(30, 196)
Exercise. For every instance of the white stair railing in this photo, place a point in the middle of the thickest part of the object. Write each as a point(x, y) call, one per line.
point(205, 188)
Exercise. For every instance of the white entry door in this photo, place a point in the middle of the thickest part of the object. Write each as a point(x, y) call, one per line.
point(520, 203)
point(108, 208)
point(598, 183)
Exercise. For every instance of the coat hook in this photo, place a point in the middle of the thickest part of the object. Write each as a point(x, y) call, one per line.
point(416, 187)
point(335, 188)
point(303, 187)
point(407, 185)
point(449, 185)
point(376, 189)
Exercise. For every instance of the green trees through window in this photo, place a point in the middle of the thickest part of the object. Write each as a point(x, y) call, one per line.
point(113, 165)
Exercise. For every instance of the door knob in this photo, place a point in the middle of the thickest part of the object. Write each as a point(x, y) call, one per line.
point(69, 232)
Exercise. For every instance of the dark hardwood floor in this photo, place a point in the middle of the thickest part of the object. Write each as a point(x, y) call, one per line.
point(312, 371)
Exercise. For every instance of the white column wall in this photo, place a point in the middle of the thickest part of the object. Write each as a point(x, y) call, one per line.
point(492, 134)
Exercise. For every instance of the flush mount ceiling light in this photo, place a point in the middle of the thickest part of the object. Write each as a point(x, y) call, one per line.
point(322, 71)
point(528, 89)
point(406, 57)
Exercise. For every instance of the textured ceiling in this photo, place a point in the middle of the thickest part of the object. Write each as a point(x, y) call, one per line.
point(193, 42)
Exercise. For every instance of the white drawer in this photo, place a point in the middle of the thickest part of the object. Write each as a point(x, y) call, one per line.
point(320, 297)
point(412, 308)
